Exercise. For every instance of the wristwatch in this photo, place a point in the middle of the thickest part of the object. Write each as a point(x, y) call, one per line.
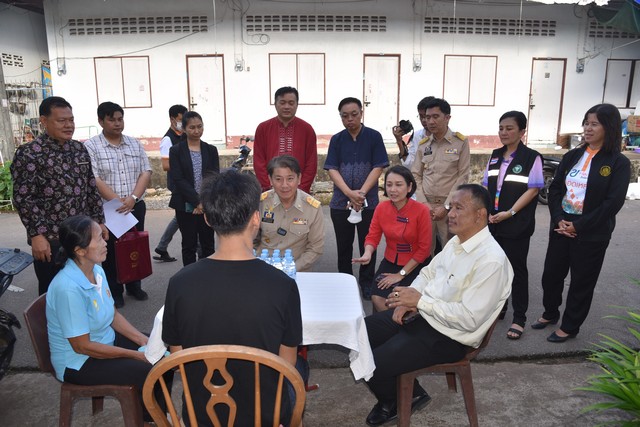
point(512, 212)
point(135, 198)
point(403, 273)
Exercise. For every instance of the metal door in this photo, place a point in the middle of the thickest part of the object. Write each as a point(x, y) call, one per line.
point(545, 100)
point(205, 76)
point(381, 93)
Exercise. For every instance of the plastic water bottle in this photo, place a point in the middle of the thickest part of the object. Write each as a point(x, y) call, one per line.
point(264, 256)
point(277, 262)
point(288, 252)
point(276, 253)
point(290, 266)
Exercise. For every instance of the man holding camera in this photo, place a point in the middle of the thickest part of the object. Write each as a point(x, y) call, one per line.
point(408, 154)
point(441, 165)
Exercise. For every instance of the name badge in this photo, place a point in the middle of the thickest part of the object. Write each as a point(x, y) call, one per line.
point(282, 231)
point(267, 216)
point(451, 151)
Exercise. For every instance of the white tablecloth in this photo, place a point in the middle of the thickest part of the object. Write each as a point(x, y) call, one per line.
point(331, 314)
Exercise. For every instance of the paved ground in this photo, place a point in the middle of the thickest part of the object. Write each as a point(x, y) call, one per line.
point(529, 382)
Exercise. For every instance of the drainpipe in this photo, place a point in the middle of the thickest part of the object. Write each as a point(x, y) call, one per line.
point(7, 146)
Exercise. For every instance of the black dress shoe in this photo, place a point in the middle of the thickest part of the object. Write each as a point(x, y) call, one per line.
point(138, 294)
point(557, 338)
point(382, 413)
point(118, 301)
point(541, 325)
point(164, 256)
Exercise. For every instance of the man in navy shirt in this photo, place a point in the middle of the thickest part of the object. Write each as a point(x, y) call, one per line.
point(355, 160)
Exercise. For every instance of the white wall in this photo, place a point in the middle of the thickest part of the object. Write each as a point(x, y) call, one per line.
point(247, 92)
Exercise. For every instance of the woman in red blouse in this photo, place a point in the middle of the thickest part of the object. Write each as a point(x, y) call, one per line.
point(406, 225)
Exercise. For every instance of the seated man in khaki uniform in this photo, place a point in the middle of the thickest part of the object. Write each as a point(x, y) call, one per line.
point(289, 217)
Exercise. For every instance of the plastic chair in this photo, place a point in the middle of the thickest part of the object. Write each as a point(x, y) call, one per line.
point(36, 319)
point(215, 358)
point(462, 368)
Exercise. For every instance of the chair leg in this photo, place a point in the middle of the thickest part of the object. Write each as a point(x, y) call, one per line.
point(97, 404)
point(466, 383)
point(131, 407)
point(451, 381)
point(66, 406)
point(404, 395)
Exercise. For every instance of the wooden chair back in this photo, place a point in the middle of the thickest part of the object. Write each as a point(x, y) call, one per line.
point(215, 358)
point(35, 317)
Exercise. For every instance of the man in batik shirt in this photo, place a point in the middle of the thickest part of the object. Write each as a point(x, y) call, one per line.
point(52, 180)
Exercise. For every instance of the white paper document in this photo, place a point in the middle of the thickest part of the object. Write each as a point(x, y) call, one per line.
point(116, 222)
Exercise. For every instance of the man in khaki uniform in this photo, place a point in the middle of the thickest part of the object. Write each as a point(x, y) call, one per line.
point(441, 165)
point(289, 217)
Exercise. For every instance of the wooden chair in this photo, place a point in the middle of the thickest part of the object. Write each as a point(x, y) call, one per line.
point(462, 368)
point(36, 319)
point(215, 357)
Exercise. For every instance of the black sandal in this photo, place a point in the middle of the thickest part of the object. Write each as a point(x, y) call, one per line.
point(516, 333)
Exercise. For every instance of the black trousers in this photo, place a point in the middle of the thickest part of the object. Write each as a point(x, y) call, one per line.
point(345, 233)
point(193, 229)
point(109, 264)
point(403, 348)
point(517, 251)
point(120, 371)
point(584, 260)
point(47, 270)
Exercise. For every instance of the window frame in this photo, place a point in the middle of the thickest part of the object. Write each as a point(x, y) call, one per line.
point(634, 83)
point(470, 78)
point(296, 56)
point(123, 81)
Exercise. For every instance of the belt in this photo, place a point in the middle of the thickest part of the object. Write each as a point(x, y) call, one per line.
point(435, 199)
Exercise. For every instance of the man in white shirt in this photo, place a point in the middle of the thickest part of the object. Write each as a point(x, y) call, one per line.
point(408, 154)
point(122, 171)
point(456, 299)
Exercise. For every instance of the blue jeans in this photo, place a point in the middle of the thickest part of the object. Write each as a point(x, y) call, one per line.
point(171, 229)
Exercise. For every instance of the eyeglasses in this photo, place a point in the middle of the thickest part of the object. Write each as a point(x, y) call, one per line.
point(353, 114)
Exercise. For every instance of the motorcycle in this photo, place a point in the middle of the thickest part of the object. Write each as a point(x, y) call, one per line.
point(240, 162)
point(12, 262)
point(549, 166)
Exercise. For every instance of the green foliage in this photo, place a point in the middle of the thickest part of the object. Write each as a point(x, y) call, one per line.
point(620, 377)
point(6, 184)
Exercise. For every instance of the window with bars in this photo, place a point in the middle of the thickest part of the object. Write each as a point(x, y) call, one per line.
point(137, 25)
point(490, 26)
point(321, 23)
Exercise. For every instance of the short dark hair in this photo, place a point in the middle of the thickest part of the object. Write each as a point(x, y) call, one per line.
point(285, 161)
point(479, 195)
point(440, 103)
point(74, 231)
point(349, 100)
point(404, 173)
point(229, 200)
point(109, 109)
point(518, 116)
point(176, 110)
point(422, 105)
point(188, 116)
point(51, 102)
point(609, 117)
point(285, 90)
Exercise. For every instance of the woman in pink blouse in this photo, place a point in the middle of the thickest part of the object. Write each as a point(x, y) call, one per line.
point(406, 225)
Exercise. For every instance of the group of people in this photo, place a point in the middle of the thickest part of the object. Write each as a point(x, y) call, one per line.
point(429, 306)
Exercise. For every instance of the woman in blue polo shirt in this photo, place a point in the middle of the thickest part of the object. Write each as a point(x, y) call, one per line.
point(355, 160)
point(91, 343)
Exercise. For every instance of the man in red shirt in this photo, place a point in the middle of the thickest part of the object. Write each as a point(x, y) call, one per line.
point(285, 134)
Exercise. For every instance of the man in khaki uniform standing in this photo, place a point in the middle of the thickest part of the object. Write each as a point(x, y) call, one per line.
point(289, 217)
point(441, 165)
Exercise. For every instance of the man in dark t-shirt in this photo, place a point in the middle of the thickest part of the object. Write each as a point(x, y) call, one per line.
point(233, 298)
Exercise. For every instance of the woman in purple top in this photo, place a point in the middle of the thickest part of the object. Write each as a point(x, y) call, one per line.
point(355, 160)
point(513, 177)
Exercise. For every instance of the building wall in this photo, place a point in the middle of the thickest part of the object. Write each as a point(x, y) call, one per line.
point(247, 91)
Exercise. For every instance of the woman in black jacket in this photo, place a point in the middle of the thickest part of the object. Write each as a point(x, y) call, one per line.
point(190, 161)
point(513, 178)
point(587, 192)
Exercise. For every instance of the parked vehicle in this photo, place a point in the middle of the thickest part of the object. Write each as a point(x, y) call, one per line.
point(12, 262)
point(549, 166)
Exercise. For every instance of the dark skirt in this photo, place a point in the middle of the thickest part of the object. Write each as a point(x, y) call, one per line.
point(389, 267)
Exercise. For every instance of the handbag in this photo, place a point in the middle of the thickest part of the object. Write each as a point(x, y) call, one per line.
point(133, 257)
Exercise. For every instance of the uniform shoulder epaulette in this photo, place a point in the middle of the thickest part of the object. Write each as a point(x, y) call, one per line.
point(423, 140)
point(264, 195)
point(460, 136)
point(313, 201)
